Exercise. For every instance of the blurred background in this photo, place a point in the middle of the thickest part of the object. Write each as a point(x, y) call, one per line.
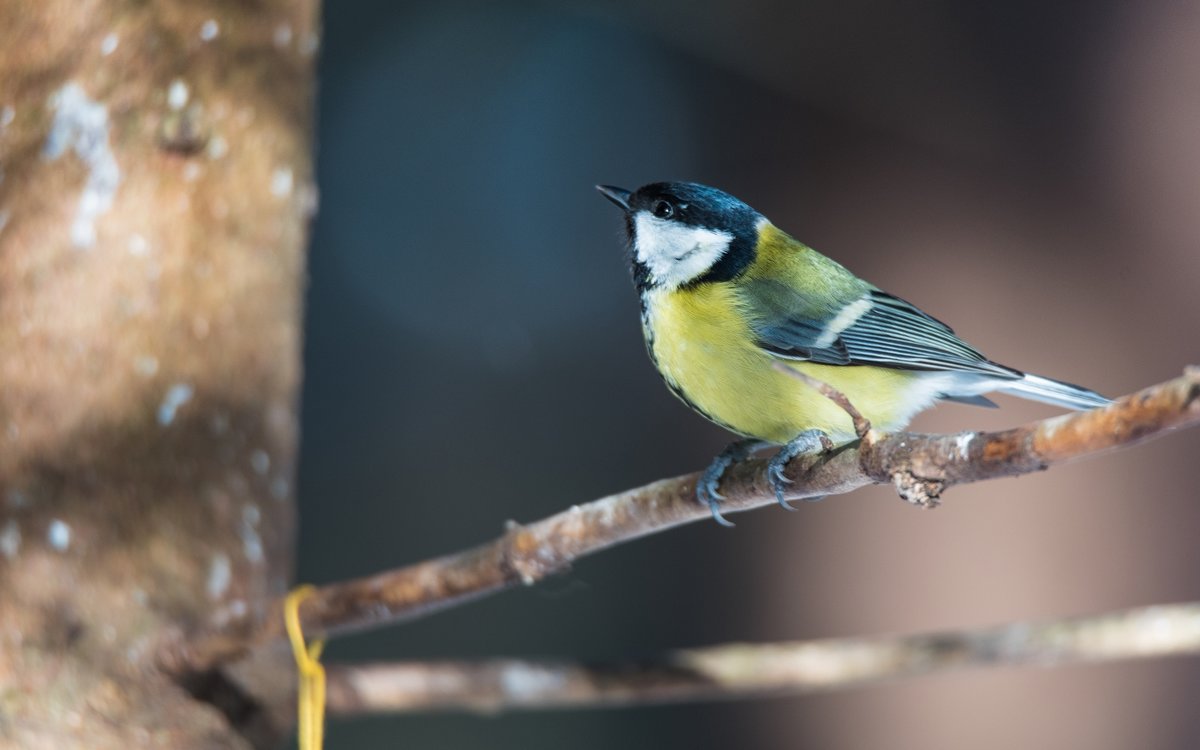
point(1027, 171)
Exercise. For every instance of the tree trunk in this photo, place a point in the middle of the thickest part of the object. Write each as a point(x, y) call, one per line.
point(156, 186)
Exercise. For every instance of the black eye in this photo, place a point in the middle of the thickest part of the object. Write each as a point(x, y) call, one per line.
point(663, 210)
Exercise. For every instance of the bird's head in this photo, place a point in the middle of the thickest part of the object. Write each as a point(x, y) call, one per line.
point(682, 233)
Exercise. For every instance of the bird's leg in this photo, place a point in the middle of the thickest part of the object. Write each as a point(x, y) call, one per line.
point(706, 488)
point(809, 441)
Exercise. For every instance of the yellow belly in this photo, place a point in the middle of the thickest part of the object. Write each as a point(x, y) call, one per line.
point(707, 355)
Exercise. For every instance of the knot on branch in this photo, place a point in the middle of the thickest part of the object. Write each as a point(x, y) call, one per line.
point(924, 493)
point(525, 557)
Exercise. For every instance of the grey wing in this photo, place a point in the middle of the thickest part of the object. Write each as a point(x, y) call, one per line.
point(801, 339)
point(876, 329)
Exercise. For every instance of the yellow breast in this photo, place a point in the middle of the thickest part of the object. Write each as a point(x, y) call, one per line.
point(704, 348)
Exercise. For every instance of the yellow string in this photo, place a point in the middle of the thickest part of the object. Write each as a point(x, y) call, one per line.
point(310, 710)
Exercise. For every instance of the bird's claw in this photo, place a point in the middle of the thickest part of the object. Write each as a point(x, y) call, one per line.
point(778, 480)
point(707, 489)
point(714, 507)
point(809, 441)
point(777, 475)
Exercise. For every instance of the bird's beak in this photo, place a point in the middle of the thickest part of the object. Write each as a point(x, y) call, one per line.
point(619, 196)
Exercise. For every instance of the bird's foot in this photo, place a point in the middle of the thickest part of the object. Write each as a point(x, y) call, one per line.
point(707, 488)
point(807, 442)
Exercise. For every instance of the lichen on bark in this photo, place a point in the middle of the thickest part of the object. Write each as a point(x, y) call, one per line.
point(156, 190)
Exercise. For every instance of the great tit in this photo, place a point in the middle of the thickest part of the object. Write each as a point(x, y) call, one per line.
point(726, 296)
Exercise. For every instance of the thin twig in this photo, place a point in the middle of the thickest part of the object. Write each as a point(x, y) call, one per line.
point(920, 467)
point(738, 671)
point(862, 425)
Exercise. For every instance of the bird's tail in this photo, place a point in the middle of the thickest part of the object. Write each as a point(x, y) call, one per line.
point(1056, 392)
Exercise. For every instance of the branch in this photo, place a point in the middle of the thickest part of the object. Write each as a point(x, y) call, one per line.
point(861, 424)
point(738, 671)
point(920, 466)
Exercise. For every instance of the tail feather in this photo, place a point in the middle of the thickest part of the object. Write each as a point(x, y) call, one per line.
point(1056, 392)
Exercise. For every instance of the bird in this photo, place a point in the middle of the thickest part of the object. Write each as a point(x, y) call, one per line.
point(729, 302)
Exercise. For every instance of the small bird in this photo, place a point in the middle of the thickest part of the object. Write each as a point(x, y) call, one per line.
point(726, 296)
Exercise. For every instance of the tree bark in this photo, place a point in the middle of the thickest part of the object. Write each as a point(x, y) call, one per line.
point(156, 188)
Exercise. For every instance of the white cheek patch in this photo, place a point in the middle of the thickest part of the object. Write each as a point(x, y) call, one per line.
point(675, 253)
